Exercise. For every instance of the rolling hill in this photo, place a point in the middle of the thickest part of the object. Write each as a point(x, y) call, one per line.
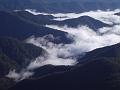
point(13, 26)
point(83, 21)
point(74, 23)
point(15, 54)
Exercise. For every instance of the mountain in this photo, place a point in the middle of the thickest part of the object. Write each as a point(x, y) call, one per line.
point(101, 72)
point(13, 26)
point(54, 6)
point(50, 70)
point(38, 19)
point(15, 54)
point(83, 20)
point(20, 62)
point(74, 23)
point(117, 14)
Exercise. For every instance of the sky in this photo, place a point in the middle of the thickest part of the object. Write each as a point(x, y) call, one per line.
point(76, 0)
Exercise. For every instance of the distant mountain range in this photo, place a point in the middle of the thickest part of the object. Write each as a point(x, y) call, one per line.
point(14, 52)
point(74, 23)
point(81, 21)
point(96, 70)
point(53, 6)
point(22, 25)
point(24, 28)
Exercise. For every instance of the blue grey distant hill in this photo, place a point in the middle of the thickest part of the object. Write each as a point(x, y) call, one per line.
point(53, 6)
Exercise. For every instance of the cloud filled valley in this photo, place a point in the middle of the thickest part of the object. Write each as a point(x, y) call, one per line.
point(85, 40)
point(104, 16)
point(59, 45)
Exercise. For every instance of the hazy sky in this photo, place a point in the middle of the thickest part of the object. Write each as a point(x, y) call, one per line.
point(76, 0)
point(83, 0)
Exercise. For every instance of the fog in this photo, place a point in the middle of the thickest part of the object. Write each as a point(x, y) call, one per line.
point(104, 16)
point(18, 76)
point(85, 40)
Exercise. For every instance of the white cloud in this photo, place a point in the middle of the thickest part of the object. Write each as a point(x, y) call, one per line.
point(19, 76)
point(85, 40)
point(54, 53)
point(104, 16)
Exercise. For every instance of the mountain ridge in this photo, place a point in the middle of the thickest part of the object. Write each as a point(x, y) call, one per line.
point(97, 74)
point(61, 6)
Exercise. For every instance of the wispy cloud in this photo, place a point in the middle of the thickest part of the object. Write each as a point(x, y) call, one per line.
point(104, 16)
point(85, 40)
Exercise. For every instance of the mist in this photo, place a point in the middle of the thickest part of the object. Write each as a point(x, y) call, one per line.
point(85, 40)
point(104, 16)
point(18, 76)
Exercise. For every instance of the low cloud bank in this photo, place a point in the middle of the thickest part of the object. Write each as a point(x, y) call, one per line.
point(107, 16)
point(85, 40)
point(18, 76)
point(58, 54)
point(88, 39)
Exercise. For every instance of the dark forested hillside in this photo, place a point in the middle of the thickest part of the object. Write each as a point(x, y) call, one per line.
point(35, 56)
point(100, 73)
point(74, 23)
point(15, 54)
point(81, 21)
point(13, 26)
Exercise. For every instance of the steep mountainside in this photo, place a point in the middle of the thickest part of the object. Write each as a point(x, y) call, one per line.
point(100, 73)
point(13, 26)
point(48, 20)
point(15, 54)
point(58, 59)
point(84, 20)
